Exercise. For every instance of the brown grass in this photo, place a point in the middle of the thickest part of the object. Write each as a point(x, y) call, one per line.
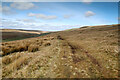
point(7, 59)
point(89, 52)
point(32, 45)
point(33, 48)
point(14, 48)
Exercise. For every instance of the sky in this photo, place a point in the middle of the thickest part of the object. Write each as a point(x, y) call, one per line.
point(57, 16)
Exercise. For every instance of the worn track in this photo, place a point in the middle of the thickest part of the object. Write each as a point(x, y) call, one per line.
point(64, 55)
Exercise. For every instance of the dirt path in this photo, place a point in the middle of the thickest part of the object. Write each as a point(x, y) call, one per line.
point(60, 59)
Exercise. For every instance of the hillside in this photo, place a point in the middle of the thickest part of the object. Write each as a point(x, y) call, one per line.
point(87, 52)
point(18, 34)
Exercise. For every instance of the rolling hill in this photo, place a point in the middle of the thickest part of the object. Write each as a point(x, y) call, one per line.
point(87, 52)
point(18, 34)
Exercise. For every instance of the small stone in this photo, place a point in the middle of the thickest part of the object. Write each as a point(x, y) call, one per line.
point(75, 68)
point(82, 71)
point(74, 73)
point(71, 67)
point(62, 58)
point(55, 65)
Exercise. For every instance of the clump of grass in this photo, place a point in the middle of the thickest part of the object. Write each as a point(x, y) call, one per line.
point(19, 63)
point(7, 59)
point(21, 48)
point(47, 44)
point(5, 50)
point(33, 48)
point(59, 37)
point(16, 48)
point(24, 45)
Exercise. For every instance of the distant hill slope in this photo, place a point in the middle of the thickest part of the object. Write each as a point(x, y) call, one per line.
point(17, 34)
point(87, 52)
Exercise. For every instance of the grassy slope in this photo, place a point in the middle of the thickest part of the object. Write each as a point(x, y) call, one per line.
point(12, 34)
point(89, 52)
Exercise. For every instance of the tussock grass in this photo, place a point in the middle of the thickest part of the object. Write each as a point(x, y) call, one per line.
point(16, 65)
point(7, 59)
point(80, 53)
point(16, 48)
point(47, 44)
point(33, 48)
point(19, 63)
point(31, 45)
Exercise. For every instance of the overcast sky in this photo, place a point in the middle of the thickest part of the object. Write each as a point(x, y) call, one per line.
point(56, 16)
